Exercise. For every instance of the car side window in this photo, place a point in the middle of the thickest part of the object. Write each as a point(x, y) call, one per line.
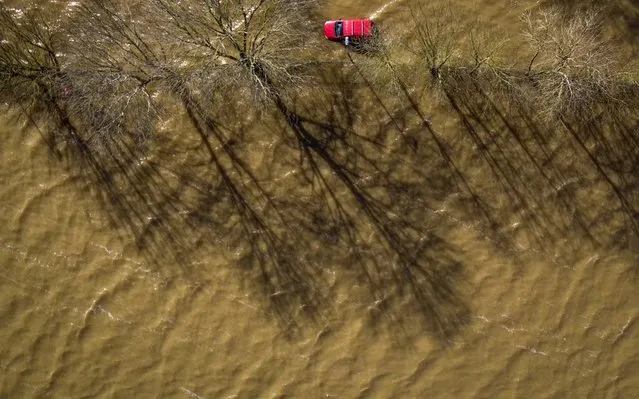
point(338, 28)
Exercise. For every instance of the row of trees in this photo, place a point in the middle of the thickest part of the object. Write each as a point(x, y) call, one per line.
point(570, 86)
point(105, 78)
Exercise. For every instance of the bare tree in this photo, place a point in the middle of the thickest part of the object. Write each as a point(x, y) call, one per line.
point(250, 44)
point(32, 76)
point(142, 58)
point(574, 68)
point(112, 67)
point(436, 37)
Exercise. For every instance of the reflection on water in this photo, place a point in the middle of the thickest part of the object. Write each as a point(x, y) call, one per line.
point(522, 256)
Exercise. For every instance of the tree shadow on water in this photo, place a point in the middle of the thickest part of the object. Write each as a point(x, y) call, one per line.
point(536, 162)
point(350, 207)
point(409, 269)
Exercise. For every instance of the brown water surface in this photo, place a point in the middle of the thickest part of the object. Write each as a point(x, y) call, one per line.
point(552, 306)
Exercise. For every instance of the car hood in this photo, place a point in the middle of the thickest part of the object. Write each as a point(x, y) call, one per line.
point(329, 30)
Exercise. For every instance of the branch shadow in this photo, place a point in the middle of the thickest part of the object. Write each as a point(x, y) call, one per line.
point(535, 163)
point(408, 268)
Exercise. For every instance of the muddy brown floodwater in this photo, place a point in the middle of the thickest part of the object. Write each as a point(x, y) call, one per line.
point(552, 311)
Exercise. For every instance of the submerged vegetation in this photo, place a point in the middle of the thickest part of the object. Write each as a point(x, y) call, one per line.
point(291, 172)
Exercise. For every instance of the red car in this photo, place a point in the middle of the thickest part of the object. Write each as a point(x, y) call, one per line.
point(348, 29)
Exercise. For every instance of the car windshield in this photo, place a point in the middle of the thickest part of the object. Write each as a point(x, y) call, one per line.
point(338, 28)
